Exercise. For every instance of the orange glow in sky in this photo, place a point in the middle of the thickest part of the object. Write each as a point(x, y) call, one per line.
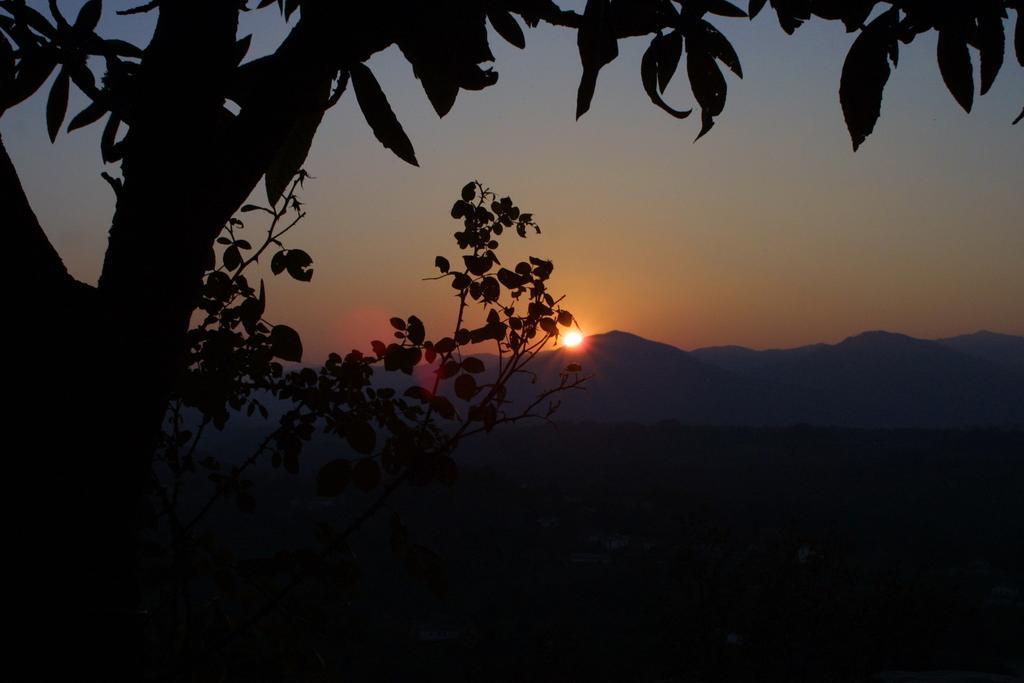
point(572, 339)
point(766, 234)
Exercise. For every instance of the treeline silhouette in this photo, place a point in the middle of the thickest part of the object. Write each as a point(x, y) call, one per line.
point(665, 552)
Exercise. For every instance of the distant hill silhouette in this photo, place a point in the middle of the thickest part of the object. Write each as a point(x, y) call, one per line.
point(875, 379)
point(871, 380)
point(741, 359)
point(637, 380)
point(1002, 349)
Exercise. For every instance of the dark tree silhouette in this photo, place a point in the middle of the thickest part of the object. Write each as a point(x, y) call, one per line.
point(105, 359)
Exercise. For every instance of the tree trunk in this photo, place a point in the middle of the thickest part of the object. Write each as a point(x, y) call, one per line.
point(99, 364)
point(70, 603)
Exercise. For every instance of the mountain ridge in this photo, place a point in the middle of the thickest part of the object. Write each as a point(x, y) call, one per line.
point(872, 379)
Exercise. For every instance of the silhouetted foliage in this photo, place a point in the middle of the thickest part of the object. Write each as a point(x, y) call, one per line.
point(389, 436)
point(447, 43)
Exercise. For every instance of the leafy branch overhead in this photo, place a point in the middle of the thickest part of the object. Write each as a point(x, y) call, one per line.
point(448, 49)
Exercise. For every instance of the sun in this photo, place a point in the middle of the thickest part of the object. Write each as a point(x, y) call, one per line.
point(573, 338)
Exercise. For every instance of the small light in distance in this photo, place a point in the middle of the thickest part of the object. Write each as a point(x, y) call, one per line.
point(573, 338)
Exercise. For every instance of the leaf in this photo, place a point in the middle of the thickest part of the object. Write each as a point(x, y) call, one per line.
point(509, 279)
point(724, 9)
point(468, 194)
point(122, 48)
point(33, 70)
point(955, 66)
point(649, 77)
point(992, 45)
point(89, 16)
point(91, 114)
point(82, 77)
point(34, 19)
point(62, 23)
point(417, 333)
point(865, 73)
point(333, 477)
point(707, 82)
point(669, 53)
point(285, 343)
point(279, 262)
point(366, 475)
point(292, 154)
point(474, 365)
point(719, 47)
point(707, 122)
point(706, 78)
point(232, 257)
point(477, 265)
point(419, 393)
point(401, 358)
point(250, 311)
point(442, 264)
point(597, 46)
point(490, 289)
point(397, 323)
point(218, 285)
point(755, 8)
point(57, 104)
point(465, 387)
point(299, 265)
point(507, 27)
point(379, 115)
point(536, 310)
point(791, 13)
point(446, 345)
point(1019, 118)
point(441, 90)
point(360, 436)
point(443, 407)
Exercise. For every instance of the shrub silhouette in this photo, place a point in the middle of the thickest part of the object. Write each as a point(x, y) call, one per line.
point(396, 437)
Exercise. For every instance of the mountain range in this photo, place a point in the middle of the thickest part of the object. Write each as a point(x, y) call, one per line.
point(874, 379)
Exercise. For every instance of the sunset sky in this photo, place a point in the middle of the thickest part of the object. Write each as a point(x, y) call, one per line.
point(768, 232)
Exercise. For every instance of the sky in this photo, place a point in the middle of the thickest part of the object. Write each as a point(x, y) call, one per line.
point(769, 232)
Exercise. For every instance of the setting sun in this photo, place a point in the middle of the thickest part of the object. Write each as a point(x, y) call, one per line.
point(573, 339)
